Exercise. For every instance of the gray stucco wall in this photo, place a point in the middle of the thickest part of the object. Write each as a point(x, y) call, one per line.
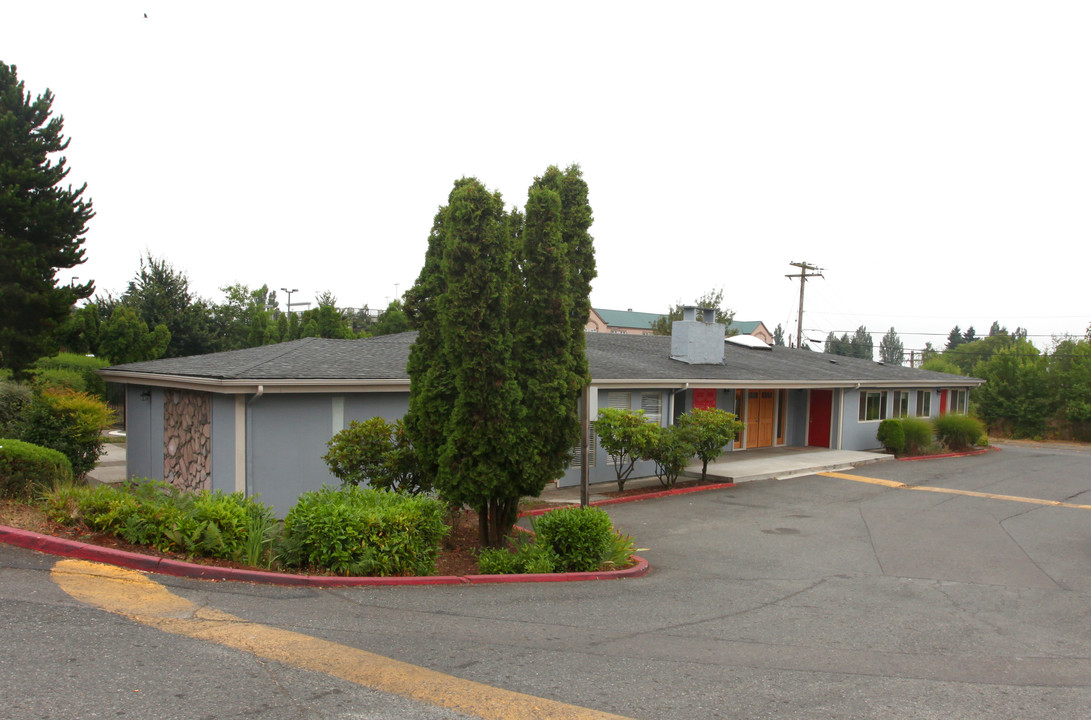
point(795, 427)
point(857, 435)
point(223, 443)
point(144, 432)
point(287, 436)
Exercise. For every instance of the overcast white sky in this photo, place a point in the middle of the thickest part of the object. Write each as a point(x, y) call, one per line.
point(932, 157)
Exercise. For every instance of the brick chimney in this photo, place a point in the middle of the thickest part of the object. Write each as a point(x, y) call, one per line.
point(698, 342)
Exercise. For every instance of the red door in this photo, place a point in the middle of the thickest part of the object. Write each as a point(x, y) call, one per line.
point(942, 402)
point(818, 423)
point(704, 399)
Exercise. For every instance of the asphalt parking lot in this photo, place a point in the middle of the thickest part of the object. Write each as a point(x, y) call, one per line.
point(812, 597)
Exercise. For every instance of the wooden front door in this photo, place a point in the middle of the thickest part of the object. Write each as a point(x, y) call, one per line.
point(760, 408)
point(818, 420)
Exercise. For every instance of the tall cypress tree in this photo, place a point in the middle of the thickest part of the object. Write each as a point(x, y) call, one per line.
point(42, 225)
point(431, 390)
point(496, 371)
point(550, 314)
point(480, 455)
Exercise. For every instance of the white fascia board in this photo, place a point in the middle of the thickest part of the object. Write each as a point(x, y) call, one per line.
point(730, 384)
point(234, 387)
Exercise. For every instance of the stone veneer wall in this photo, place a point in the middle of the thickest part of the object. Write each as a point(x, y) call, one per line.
point(187, 462)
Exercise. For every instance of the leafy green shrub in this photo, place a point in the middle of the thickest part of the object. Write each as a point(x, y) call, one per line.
point(70, 370)
point(710, 431)
point(672, 450)
point(68, 421)
point(626, 436)
point(917, 433)
point(958, 432)
point(25, 467)
point(580, 537)
point(375, 453)
point(13, 398)
point(363, 531)
point(891, 434)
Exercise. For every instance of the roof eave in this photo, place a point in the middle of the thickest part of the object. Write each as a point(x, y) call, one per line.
point(235, 386)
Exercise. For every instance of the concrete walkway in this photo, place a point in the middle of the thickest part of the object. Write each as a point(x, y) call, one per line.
point(740, 467)
point(110, 468)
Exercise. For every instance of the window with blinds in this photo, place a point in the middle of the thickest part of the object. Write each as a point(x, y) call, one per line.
point(652, 405)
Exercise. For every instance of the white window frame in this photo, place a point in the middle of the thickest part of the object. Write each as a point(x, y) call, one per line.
point(924, 402)
point(957, 401)
point(865, 407)
point(900, 407)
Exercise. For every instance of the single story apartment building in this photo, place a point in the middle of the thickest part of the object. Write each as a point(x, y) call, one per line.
point(258, 420)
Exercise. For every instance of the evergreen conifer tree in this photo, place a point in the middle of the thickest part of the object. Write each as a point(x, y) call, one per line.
point(42, 225)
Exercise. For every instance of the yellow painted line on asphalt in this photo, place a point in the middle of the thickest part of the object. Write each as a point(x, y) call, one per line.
point(135, 596)
point(952, 491)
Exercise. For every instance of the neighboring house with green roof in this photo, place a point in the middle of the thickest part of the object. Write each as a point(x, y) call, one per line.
point(621, 322)
point(627, 322)
point(258, 420)
point(756, 328)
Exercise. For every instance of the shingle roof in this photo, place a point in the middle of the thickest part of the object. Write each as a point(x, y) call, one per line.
point(612, 358)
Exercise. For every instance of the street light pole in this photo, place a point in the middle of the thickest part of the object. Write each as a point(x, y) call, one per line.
point(290, 296)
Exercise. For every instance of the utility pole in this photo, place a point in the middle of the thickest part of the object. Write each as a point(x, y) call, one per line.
point(815, 272)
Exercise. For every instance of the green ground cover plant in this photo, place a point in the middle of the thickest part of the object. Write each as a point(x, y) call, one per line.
point(207, 523)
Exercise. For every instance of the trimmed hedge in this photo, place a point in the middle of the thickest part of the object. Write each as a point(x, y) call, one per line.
point(892, 435)
point(363, 531)
point(25, 467)
point(70, 370)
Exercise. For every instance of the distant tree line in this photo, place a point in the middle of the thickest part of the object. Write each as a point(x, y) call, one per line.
point(1028, 392)
point(158, 315)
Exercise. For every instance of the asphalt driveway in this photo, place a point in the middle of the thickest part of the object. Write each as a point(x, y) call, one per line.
point(813, 597)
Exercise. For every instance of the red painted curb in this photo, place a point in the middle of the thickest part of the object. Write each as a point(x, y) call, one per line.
point(969, 453)
point(179, 568)
point(634, 498)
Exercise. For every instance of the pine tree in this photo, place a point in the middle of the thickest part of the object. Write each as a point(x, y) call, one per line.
point(954, 338)
point(891, 349)
point(861, 345)
point(778, 336)
point(42, 225)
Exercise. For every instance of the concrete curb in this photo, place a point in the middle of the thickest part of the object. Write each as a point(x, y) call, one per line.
point(178, 568)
